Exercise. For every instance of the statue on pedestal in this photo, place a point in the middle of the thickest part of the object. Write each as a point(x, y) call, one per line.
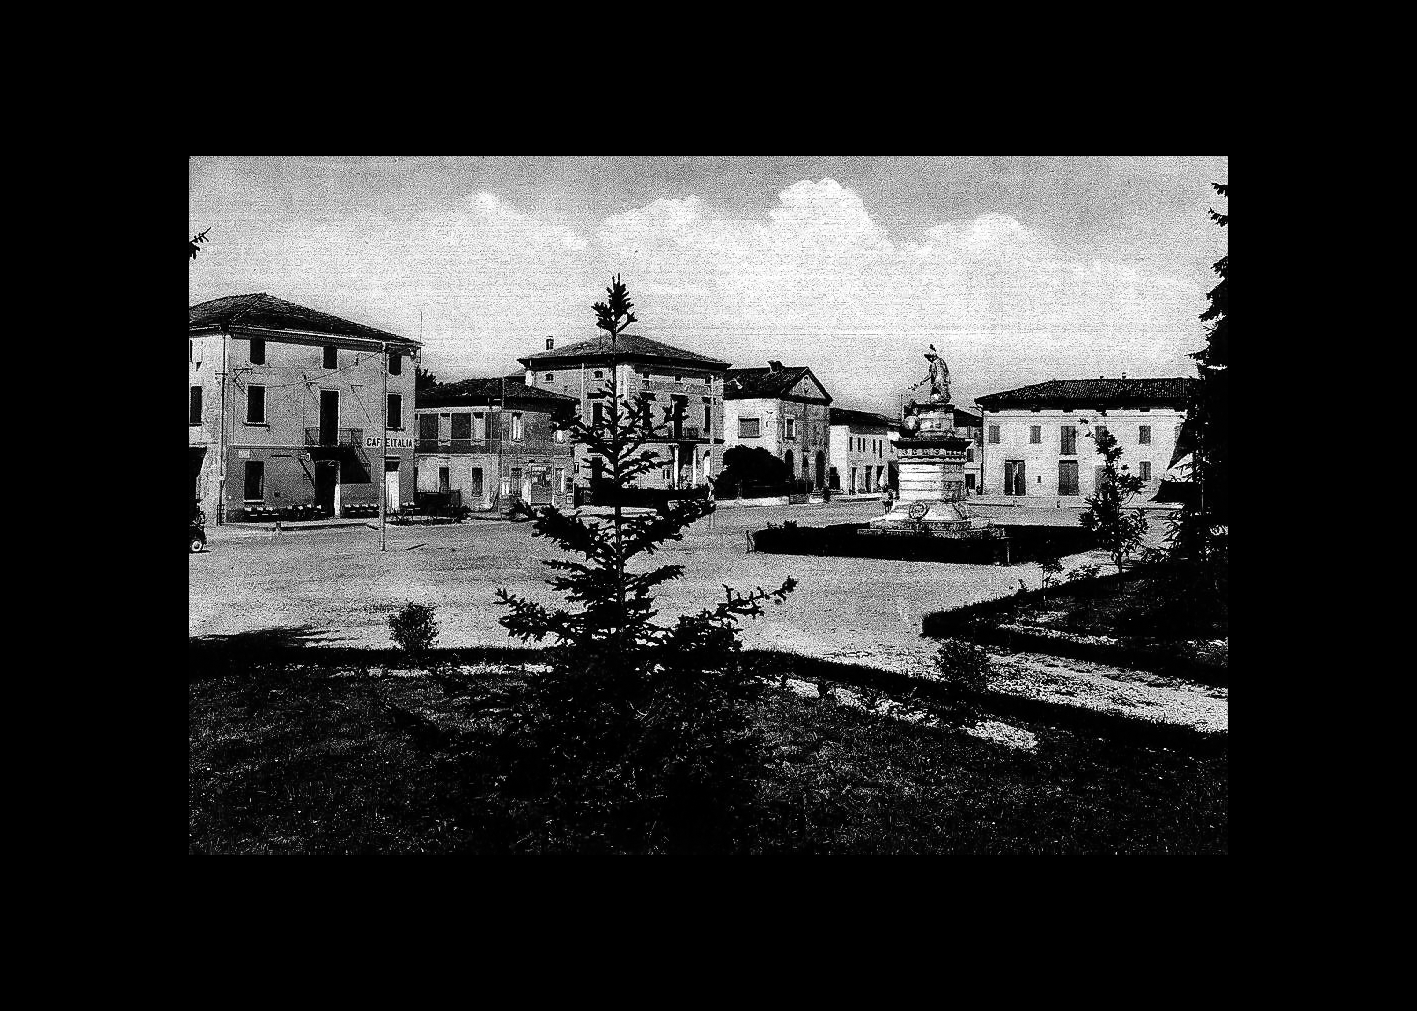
point(939, 377)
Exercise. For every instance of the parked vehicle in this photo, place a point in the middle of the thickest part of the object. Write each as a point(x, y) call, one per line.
point(197, 531)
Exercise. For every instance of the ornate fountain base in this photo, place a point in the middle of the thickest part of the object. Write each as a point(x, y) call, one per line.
point(932, 462)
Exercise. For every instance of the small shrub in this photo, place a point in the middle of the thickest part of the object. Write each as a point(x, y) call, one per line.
point(1052, 570)
point(1084, 572)
point(414, 628)
point(965, 668)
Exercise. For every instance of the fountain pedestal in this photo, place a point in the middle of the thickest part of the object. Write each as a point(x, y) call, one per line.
point(931, 462)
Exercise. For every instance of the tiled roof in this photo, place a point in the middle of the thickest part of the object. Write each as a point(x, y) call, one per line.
point(485, 392)
point(766, 383)
point(627, 346)
point(846, 416)
point(262, 310)
point(1099, 392)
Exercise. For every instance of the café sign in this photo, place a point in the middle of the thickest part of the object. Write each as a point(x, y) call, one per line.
point(391, 442)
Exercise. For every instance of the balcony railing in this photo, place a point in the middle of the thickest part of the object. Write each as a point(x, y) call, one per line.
point(334, 436)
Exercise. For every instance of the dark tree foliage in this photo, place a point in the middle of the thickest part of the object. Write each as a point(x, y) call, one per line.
point(1118, 529)
point(423, 380)
point(638, 724)
point(749, 467)
point(196, 241)
point(1206, 433)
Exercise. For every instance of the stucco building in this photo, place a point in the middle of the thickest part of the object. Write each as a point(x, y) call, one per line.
point(861, 452)
point(971, 424)
point(784, 410)
point(684, 389)
point(1038, 440)
point(492, 440)
point(287, 409)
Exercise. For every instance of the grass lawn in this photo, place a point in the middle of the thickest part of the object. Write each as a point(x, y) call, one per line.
point(355, 759)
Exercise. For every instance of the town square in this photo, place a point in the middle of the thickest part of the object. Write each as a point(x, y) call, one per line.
point(770, 515)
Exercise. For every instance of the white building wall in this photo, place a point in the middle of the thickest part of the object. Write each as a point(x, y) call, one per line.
point(1040, 459)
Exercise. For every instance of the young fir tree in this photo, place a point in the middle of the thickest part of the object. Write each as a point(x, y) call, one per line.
point(1119, 530)
point(637, 722)
point(1205, 435)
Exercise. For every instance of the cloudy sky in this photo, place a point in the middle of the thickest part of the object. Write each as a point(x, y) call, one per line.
point(1017, 269)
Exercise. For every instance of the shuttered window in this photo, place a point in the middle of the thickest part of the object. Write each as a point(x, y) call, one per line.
point(1144, 435)
point(1067, 477)
point(255, 405)
point(1069, 441)
point(258, 352)
point(748, 428)
point(994, 434)
point(1035, 434)
point(331, 357)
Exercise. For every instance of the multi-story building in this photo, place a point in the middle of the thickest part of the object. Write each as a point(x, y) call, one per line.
point(493, 440)
point(291, 410)
point(862, 452)
point(784, 410)
point(684, 391)
point(971, 424)
point(1038, 440)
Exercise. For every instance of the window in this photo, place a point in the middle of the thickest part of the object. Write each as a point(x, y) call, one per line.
point(396, 411)
point(601, 375)
point(1145, 466)
point(479, 426)
point(969, 455)
point(427, 428)
point(194, 406)
point(395, 364)
point(792, 428)
point(708, 425)
point(255, 405)
point(331, 357)
point(1035, 435)
point(191, 345)
point(1069, 445)
point(1098, 432)
point(597, 414)
point(1144, 435)
point(994, 434)
point(462, 426)
point(550, 377)
point(748, 428)
point(1067, 477)
point(517, 431)
point(255, 481)
point(258, 352)
point(444, 484)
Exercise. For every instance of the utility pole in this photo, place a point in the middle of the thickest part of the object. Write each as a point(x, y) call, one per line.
point(384, 455)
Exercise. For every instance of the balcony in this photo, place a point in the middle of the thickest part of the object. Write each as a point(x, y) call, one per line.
point(446, 445)
point(334, 437)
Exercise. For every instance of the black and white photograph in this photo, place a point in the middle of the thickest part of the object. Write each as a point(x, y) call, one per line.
point(708, 505)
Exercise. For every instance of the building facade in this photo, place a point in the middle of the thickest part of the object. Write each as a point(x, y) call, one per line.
point(294, 412)
point(971, 424)
point(784, 410)
point(683, 390)
point(1039, 439)
point(495, 440)
point(862, 452)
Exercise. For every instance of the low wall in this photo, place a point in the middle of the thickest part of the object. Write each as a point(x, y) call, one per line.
point(723, 503)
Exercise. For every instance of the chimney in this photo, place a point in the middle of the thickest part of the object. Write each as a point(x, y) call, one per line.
point(774, 366)
point(550, 343)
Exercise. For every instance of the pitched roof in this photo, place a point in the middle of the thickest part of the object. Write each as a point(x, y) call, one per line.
point(268, 312)
point(1100, 392)
point(846, 416)
point(776, 380)
point(627, 346)
point(485, 392)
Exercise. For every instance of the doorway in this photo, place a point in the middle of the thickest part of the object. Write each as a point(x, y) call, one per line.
point(391, 486)
point(329, 417)
point(326, 484)
point(1014, 478)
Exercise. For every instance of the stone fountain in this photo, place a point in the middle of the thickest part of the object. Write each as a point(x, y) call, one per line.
point(931, 460)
